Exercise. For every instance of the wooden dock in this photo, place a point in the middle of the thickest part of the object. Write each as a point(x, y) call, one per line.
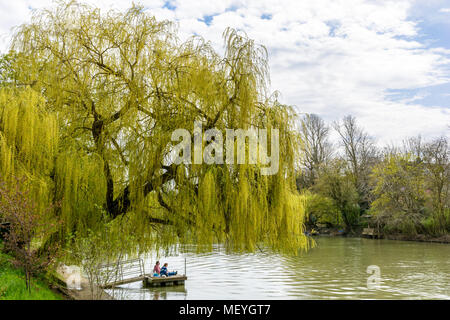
point(122, 281)
point(164, 281)
point(370, 233)
point(149, 281)
point(133, 271)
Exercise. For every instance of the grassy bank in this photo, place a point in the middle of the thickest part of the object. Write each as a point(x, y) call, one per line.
point(12, 284)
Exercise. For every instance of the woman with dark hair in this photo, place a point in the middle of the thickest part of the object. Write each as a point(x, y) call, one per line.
point(156, 269)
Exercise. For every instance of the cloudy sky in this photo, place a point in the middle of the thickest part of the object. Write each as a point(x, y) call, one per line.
point(385, 62)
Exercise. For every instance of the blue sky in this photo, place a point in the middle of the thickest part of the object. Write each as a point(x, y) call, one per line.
point(386, 62)
point(433, 20)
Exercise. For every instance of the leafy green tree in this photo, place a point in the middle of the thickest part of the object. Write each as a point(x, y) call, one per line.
point(323, 210)
point(400, 203)
point(336, 183)
point(436, 159)
point(106, 91)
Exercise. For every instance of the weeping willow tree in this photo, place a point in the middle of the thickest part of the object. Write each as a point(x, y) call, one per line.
point(29, 139)
point(96, 98)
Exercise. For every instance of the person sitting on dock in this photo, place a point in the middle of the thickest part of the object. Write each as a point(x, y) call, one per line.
point(165, 272)
point(156, 269)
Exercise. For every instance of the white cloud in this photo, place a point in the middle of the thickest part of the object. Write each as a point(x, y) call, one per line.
point(445, 10)
point(331, 57)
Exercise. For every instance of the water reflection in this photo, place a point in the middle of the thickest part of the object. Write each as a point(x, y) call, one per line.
point(136, 291)
point(336, 269)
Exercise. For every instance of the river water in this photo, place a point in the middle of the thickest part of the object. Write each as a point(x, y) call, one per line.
point(337, 268)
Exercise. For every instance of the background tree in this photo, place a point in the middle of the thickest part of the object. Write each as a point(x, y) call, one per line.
point(400, 193)
point(315, 148)
point(414, 146)
point(336, 183)
point(322, 210)
point(6, 72)
point(436, 159)
point(360, 154)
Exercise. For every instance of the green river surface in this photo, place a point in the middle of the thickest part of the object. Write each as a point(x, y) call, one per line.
point(337, 268)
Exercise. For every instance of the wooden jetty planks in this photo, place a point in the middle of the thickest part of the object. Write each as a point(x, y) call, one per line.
point(164, 281)
point(149, 281)
point(369, 231)
point(123, 281)
point(134, 267)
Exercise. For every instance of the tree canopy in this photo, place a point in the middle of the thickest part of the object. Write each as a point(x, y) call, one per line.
point(87, 112)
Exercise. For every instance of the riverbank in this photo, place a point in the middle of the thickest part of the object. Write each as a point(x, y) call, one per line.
point(357, 233)
point(13, 287)
point(419, 238)
point(64, 275)
point(54, 287)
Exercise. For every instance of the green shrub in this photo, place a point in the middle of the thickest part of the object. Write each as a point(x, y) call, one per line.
point(352, 213)
point(321, 209)
point(429, 225)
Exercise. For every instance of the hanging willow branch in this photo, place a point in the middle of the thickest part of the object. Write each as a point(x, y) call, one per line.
point(129, 82)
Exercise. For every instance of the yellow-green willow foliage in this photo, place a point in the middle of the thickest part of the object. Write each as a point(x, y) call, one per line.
point(120, 83)
point(28, 141)
point(80, 185)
